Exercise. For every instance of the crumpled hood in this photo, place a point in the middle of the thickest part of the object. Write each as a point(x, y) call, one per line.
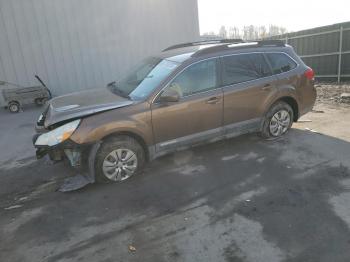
point(81, 104)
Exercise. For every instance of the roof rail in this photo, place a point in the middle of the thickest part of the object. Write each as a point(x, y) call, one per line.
point(271, 43)
point(251, 44)
point(228, 41)
point(211, 49)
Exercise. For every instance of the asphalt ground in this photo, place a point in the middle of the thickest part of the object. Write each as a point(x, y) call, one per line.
point(243, 199)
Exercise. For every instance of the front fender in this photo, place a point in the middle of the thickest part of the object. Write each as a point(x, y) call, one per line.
point(97, 127)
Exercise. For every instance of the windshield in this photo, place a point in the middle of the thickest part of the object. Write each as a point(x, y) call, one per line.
point(140, 82)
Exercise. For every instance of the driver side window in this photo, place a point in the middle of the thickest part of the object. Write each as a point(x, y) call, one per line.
point(196, 78)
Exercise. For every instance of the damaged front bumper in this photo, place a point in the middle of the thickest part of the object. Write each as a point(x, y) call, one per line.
point(81, 157)
point(66, 150)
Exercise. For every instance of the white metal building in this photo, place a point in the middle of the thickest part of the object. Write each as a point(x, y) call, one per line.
point(80, 44)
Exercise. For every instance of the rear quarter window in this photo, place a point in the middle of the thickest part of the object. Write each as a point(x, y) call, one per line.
point(280, 62)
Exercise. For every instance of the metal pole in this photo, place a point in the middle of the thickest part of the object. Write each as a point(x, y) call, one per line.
point(287, 40)
point(340, 52)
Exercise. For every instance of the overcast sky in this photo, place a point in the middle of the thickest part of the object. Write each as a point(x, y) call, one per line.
point(293, 14)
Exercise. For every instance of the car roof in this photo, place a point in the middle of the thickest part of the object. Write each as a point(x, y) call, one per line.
point(182, 52)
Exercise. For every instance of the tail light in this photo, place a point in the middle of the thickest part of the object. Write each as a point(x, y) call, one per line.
point(309, 74)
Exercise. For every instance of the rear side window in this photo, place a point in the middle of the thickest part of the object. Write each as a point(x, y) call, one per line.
point(242, 68)
point(280, 62)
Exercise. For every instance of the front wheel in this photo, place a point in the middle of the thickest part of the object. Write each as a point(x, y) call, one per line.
point(278, 120)
point(118, 159)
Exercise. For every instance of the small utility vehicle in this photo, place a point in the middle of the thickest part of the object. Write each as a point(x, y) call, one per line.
point(13, 96)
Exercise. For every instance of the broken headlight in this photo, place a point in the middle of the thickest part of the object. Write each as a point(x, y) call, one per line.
point(57, 135)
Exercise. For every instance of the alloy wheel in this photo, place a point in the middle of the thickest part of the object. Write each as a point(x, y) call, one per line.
point(120, 164)
point(280, 122)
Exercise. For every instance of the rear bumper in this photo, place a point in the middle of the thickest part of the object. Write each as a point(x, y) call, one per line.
point(309, 99)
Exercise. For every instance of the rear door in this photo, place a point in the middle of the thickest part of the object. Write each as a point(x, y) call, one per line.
point(248, 86)
point(289, 74)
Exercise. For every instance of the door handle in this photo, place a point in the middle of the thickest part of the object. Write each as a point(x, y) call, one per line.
point(266, 87)
point(213, 100)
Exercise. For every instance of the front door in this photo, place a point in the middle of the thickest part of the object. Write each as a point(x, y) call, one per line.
point(197, 116)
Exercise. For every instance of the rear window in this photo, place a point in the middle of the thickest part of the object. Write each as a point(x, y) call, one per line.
point(242, 68)
point(280, 62)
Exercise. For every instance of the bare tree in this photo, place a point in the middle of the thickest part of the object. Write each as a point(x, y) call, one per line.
point(245, 32)
point(250, 32)
point(262, 32)
point(283, 30)
point(223, 32)
point(276, 30)
point(234, 33)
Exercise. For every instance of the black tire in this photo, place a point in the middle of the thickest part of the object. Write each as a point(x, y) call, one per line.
point(278, 106)
point(14, 107)
point(114, 143)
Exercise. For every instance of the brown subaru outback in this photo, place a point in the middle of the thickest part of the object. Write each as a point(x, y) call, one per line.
point(187, 95)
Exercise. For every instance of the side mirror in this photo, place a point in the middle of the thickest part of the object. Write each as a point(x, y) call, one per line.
point(169, 95)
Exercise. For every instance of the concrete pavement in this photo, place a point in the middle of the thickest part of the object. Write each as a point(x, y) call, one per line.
point(243, 199)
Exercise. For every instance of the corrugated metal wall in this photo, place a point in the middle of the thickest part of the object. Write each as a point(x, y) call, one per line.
point(79, 44)
point(321, 51)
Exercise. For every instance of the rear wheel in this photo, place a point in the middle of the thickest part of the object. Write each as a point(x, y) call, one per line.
point(14, 107)
point(278, 120)
point(118, 159)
